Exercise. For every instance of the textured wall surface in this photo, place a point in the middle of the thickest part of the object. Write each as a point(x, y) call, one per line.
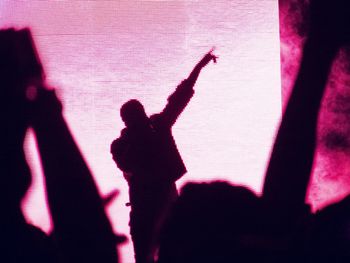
point(98, 54)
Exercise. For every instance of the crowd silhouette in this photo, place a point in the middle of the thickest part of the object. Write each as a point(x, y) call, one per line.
point(206, 222)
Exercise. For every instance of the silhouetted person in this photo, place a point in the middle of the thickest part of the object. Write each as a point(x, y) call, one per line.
point(147, 154)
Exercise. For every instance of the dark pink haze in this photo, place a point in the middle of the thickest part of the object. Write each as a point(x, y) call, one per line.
point(330, 180)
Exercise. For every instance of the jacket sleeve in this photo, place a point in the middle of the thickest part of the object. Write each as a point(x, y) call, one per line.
point(177, 102)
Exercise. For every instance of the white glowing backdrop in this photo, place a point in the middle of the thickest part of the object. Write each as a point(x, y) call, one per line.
point(99, 54)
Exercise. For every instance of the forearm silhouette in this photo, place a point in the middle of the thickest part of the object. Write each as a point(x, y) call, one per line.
point(81, 227)
point(192, 78)
point(178, 100)
point(291, 161)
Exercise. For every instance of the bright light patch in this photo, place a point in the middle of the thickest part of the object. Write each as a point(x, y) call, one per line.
point(99, 54)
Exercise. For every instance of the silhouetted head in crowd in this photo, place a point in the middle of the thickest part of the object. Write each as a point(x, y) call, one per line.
point(133, 114)
point(212, 222)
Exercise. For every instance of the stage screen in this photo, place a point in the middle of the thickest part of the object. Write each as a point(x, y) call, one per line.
point(99, 54)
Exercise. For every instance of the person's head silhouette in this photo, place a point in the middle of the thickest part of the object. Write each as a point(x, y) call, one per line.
point(133, 113)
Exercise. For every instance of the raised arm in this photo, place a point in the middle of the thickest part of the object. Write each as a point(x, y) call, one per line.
point(184, 92)
point(81, 226)
point(291, 161)
point(192, 78)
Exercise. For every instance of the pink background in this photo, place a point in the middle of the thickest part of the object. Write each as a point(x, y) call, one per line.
point(99, 54)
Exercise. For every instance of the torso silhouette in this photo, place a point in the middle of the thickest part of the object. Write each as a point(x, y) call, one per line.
point(148, 153)
point(151, 163)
